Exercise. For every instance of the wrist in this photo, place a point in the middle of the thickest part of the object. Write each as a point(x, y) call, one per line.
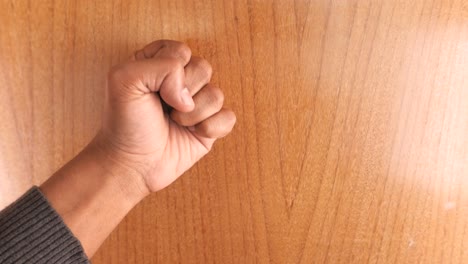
point(121, 174)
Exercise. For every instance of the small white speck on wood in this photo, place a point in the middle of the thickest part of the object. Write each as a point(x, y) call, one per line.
point(411, 243)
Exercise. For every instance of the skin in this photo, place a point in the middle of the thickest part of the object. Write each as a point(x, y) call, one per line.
point(142, 146)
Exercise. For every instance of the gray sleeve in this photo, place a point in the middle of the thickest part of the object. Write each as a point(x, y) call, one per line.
point(31, 231)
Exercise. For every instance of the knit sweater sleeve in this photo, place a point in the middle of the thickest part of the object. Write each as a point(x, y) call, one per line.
point(31, 231)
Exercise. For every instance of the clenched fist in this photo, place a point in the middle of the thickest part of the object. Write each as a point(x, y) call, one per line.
point(162, 114)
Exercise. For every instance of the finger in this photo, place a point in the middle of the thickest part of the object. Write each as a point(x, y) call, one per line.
point(208, 102)
point(174, 92)
point(172, 48)
point(150, 50)
point(165, 75)
point(197, 74)
point(175, 49)
point(216, 126)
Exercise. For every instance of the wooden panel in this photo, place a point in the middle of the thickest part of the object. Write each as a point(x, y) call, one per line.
point(352, 138)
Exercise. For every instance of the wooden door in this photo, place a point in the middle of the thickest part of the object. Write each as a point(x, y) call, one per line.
point(352, 138)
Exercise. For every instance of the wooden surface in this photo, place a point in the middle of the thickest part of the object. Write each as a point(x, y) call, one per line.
point(352, 138)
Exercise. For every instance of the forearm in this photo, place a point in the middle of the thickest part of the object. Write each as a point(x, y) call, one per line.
point(93, 193)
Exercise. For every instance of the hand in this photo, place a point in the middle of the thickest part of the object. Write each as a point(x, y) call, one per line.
point(140, 131)
point(161, 116)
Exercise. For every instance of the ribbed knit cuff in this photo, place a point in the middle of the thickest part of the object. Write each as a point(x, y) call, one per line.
point(31, 231)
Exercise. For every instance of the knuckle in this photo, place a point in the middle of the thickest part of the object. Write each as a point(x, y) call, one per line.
point(231, 119)
point(165, 43)
point(184, 50)
point(204, 66)
point(226, 126)
point(208, 130)
point(178, 49)
point(216, 97)
point(228, 123)
point(172, 63)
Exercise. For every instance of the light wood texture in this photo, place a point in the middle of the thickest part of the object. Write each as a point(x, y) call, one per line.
point(352, 138)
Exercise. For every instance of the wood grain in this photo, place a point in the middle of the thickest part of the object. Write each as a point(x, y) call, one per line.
point(352, 138)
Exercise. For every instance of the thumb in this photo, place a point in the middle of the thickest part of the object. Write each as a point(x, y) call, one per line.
point(174, 91)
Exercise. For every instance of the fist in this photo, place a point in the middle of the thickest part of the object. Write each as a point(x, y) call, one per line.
point(162, 114)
